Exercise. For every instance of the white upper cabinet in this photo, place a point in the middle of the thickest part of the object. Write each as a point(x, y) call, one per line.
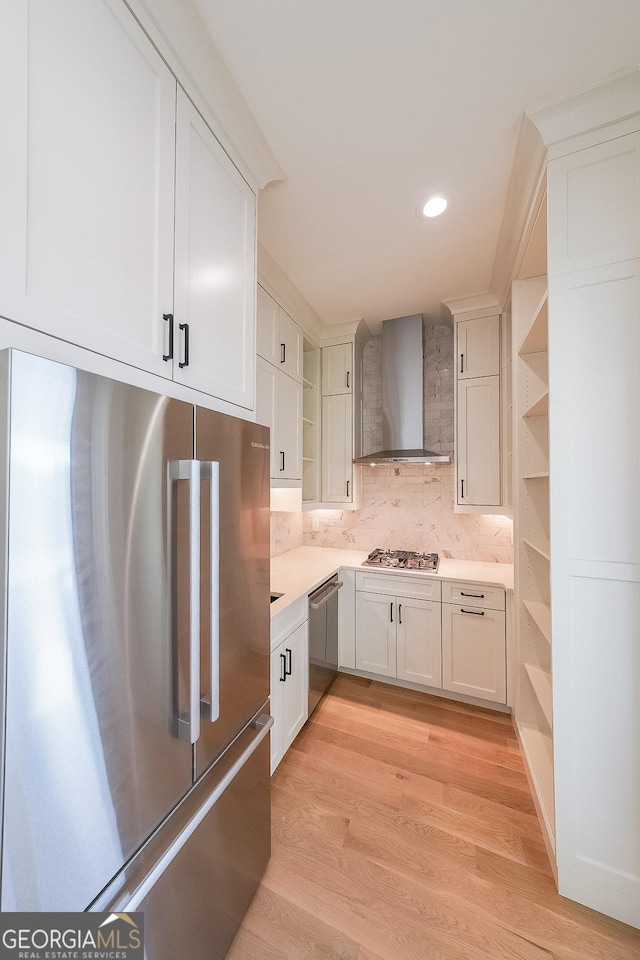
point(97, 160)
point(479, 348)
point(214, 265)
point(595, 217)
point(86, 178)
point(337, 369)
point(279, 406)
point(337, 449)
point(279, 338)
point(478, 441)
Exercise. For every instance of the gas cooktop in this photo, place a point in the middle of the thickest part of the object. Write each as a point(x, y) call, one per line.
point(402, 559)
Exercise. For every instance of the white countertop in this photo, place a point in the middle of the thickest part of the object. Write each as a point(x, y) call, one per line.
point(299, 571)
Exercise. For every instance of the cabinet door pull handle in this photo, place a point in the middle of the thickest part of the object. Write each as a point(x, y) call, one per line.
point(185, 362)
point(283, 668)
point(287, 669)
point(347, 379)
point(283, 353)
point(474, 613)
point(282, 460)
point(169, 318)
point(476, 596)
point(347, 488)
point(390, 613)
point(399, 613)
point(462, 489)
point(462, 363)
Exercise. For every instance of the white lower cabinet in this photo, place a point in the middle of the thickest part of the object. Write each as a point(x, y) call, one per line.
point(473, 652)
point(289, 691)
point(458, 645)
point(398, 637)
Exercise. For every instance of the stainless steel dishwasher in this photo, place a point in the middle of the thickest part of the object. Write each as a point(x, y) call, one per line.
point(323, 639)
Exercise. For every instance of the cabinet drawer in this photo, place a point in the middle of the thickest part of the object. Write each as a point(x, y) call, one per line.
point(492, 598)
point(398, 585)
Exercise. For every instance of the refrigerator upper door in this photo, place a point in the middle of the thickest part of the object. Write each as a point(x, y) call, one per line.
point(94, 609)
point(234, 586)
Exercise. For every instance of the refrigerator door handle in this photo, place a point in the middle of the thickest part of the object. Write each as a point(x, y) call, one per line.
point(210, 470)
point(189, 722)
point(129, 900)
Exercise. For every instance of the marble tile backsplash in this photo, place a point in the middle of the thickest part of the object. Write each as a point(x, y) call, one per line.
point(286, 531)
point(410, 507)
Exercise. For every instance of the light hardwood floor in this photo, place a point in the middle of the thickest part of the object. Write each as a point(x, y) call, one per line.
point(404, 829)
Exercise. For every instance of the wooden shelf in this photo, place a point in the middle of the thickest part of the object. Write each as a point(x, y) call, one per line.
point(540, 408)
point(311, 423)
point(308, 459)
point(541, 615)
point(537, 476)
point(543, 547)
point(540, 678)
point(308, 384)
point(538, 750)
point(536, 338)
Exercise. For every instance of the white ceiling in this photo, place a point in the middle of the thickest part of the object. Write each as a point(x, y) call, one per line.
point(371, 105)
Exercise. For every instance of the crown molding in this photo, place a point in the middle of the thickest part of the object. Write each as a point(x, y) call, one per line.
point(277, 283)
point(176, 30)
point(469, 308)
point(598, 105)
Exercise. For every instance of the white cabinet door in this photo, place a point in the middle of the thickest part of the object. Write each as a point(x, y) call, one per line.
point(278, 680)
point(267, 328)
point(86, 178)
point(288, 432)
point(267, 407)
point(376, 633)
point(296, 686)
point(478, 348)
point(337, 449)
point(290, 346)
point(473, 652)
point(278, 337)
point(337, 369)
point(214, 265)
point(419, 651)
point(478, 442)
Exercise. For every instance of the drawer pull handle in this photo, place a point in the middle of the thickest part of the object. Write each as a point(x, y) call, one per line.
point(283, 668)
point(169, 318)
point(474, 613)
point(281, 460)
point(477, 596)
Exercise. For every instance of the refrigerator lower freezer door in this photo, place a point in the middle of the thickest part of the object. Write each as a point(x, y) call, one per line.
point(197, 875)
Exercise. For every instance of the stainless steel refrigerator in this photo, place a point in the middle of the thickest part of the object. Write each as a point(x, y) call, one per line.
point(134, 583)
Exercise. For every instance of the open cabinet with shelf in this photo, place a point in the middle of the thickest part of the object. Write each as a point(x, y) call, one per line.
point(534, 703)
point(311, 418)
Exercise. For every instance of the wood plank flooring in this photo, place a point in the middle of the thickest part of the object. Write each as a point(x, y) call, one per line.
point(404, 829)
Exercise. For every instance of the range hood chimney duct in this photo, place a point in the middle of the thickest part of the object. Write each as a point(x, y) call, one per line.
point(402, 395)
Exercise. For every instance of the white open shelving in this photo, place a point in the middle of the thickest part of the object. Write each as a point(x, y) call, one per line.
point(311, 415)
point(534, 701)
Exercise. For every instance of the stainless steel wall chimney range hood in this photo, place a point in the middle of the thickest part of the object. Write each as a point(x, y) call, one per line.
point(402, 396)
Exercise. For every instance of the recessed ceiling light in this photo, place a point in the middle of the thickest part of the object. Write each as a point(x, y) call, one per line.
point(434, 206)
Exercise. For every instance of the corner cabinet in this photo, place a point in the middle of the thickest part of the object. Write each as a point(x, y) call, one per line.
point(91, 175)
